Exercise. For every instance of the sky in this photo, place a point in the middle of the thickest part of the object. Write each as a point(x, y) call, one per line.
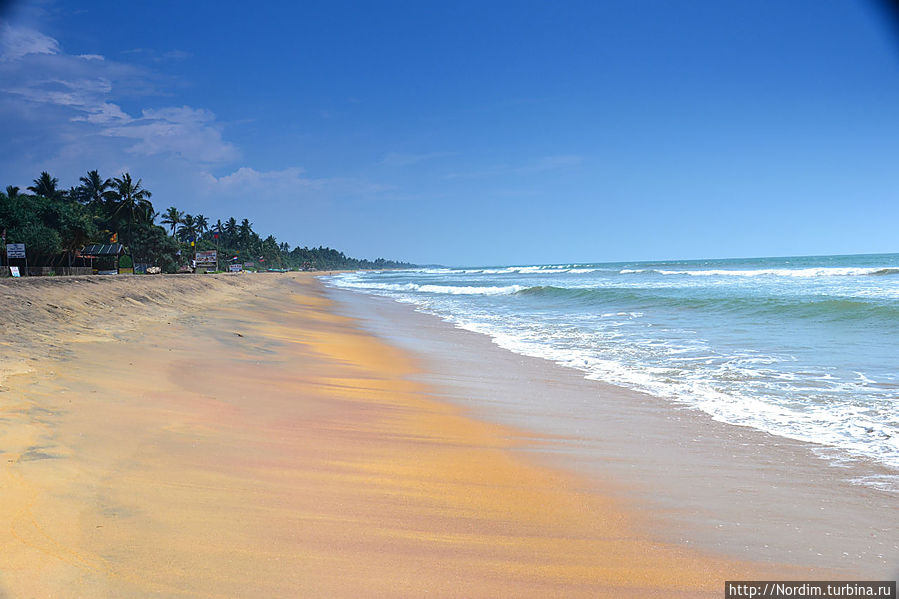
point(475, 133)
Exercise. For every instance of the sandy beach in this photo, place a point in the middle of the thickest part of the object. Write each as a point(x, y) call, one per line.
point(225, 436)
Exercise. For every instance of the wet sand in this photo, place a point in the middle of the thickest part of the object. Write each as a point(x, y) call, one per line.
point(234, 435)
point(731, 490)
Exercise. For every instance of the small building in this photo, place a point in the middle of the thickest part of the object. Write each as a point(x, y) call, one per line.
point(107, 256)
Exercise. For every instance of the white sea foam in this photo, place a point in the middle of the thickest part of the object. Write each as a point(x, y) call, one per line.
point(851, 428)
point(648, 341)
point(547, 270)
point(426, 288)
point(773, 272)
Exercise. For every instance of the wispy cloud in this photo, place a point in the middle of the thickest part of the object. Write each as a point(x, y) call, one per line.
point(290, 182)
point(176, 55)
point(184, 132)
point(156, 56)
point(69, 111)
point(246, 179)
point(83, 89)
point(16, 42)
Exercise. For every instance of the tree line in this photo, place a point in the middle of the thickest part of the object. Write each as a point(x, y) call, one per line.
point(55, 224)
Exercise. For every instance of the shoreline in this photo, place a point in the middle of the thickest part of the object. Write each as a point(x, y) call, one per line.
point(729, 489)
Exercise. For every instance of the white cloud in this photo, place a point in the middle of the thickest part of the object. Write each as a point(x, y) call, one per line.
point(81, 94)
point(176, 55)
point(247, 179)
point(39, 80)
point(185, 132)
point(287, 184)
point(104, 114)
point(17, 42)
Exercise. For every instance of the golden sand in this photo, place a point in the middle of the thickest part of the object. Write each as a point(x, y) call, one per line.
point(232, 436)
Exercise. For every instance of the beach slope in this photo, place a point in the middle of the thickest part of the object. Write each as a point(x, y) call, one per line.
point(225, 436)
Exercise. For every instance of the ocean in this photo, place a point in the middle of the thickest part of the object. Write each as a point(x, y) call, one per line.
point(801, 347)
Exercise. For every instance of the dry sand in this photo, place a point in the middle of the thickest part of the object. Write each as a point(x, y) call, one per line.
point(224, 436)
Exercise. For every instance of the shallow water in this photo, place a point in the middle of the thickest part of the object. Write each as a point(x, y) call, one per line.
point(803, 348)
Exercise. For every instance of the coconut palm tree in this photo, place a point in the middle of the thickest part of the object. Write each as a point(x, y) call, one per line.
point(172, 217)
point(12, 192)
point(201, 223)
point(231, 231)
point(245, 233)
point(148, 215)
point(131, 201)
point(188, 228)
point(46, 186)
point(94, 190)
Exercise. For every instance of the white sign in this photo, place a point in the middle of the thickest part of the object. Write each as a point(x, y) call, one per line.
point(206, 257)
point(15, 250)
point(14, 271)
point(235, 268)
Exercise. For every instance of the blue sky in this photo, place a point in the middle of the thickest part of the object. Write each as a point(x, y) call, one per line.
point(476, 132)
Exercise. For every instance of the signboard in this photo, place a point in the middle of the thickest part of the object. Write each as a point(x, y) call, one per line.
point(249, 264)
point(15, 250)
point(235, 268)
point(206, 261)
point(14, 271)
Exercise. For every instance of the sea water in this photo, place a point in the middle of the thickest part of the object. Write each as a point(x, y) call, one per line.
point(805, 347)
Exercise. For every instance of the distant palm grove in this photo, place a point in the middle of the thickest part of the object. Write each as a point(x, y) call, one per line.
point(55, 224)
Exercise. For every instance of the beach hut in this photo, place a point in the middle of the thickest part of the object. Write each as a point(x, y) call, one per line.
point(105, 251)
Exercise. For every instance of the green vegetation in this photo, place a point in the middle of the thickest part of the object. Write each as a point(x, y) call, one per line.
point(54, 224)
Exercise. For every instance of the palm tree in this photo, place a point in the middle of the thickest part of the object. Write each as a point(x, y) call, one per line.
point(45, 185)
point(188, 228)
point(148, 215)
point(201, 223)
point(231, 231)
point(131, 200)
point(94, 190)
point(172, 217)
point(245, 233)
point(12, 192)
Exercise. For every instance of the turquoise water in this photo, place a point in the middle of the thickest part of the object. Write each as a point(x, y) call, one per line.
point(805, 348)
